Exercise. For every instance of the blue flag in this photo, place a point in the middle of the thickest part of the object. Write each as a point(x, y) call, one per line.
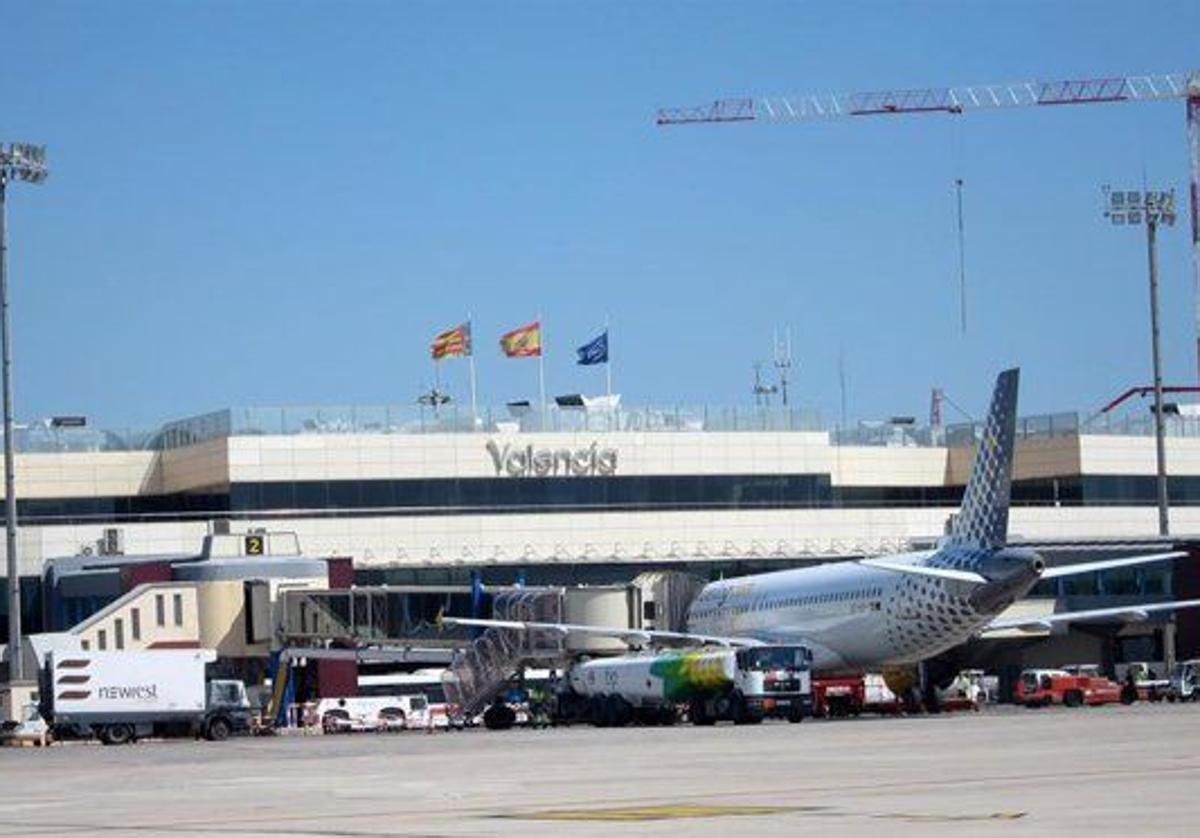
point(595, 352)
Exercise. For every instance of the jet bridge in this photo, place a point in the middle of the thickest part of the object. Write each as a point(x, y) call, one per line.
point(402, 622)
point(481, 670)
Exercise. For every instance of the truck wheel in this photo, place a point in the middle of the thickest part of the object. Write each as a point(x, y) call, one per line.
point(219, 729)
point(795, 714)
point(1073, 698)
point(618, 711)
point(118, 734)
point(334, 721)
point(393, 719)
point(737, 709)
point(499, 717)
point(741, 712)
point(598, 711)
point(1129, 694)
point(699, 713)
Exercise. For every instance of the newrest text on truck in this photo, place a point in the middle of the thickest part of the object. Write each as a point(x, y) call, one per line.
point(120, 696)
point(739, 685)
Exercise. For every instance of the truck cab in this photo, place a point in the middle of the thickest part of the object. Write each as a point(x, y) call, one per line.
point(1037, 687)
point(775, 681)
point(227, 709)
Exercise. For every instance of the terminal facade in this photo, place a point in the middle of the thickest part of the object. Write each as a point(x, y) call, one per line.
point(584, 497)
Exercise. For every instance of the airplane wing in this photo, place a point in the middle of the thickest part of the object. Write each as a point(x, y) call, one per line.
point(628, 635)
point(1107, 564)
point(922, 570)
point(1121, 613)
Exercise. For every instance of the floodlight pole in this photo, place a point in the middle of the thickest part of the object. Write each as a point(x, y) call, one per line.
point(18, 161)
point(16, 663)
point(1150, 208)
point(1164, 526)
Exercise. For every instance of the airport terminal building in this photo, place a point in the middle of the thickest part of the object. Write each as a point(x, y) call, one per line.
point(577, 495)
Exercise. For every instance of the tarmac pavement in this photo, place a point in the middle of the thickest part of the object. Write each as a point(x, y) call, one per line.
point(1008, 771)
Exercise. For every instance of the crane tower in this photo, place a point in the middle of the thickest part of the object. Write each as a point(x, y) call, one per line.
point(959, 100)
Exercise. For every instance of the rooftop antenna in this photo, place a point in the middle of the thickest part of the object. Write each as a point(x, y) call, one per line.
point(783, 359)
point(762, 392)
point(842, 382)
point(962, 257)
point(435, 397)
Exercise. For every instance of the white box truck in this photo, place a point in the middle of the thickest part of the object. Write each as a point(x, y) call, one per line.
point(120, 696)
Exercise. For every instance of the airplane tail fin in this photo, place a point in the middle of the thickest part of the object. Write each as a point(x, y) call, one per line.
point(983, 519)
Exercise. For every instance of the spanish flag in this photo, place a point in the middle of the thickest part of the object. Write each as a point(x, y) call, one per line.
point(525, 342)
point(453, 343)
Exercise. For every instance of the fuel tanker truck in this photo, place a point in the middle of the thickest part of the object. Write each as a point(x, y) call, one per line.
point(711, 684)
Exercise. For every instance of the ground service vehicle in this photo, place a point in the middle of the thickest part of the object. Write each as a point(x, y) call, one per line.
point(1185, 681)
point(120, 696)
point(966, 692)
point(369, 713)
point(1043, 687)
point(1142, 683)
point(839, 697)
point(739, 685)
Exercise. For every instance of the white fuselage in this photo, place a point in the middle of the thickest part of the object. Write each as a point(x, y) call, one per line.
point(852, 617)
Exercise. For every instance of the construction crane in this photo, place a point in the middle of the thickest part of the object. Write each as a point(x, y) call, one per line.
point(959, 100)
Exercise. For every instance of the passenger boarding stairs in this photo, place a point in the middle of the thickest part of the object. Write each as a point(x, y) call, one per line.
point(482, 671)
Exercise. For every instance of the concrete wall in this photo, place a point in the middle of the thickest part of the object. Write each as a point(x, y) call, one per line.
point(84, 474)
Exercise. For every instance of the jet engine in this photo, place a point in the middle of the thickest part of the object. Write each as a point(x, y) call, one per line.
point(901, 680)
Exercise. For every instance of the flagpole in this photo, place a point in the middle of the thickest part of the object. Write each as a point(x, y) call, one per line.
point(608, 360)
point(542, 365)
point(471, 360)
point(437, 385)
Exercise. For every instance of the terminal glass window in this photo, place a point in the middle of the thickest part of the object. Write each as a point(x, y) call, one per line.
point(119, 633)
point(160, 610)
point(1156, 580)
point(102, 640)
point(177, 607)
point(1082, 585)
point(135, 623)
point(1122, 580)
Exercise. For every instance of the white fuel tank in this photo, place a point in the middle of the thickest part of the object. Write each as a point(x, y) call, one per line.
point(674, 676)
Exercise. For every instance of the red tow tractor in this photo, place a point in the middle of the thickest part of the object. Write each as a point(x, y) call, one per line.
point(1070, 687)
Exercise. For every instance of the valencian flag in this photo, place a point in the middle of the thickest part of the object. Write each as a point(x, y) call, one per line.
point(525, 342)
point(594, 352)
point(453, 343)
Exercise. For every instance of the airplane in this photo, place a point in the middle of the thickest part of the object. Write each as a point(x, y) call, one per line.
point(893, 613)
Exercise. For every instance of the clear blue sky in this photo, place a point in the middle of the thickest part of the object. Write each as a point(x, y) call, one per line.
point(270, 202)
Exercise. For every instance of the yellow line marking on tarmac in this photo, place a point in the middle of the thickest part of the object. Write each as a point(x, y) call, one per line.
point(667, 811)
point(930, 817)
